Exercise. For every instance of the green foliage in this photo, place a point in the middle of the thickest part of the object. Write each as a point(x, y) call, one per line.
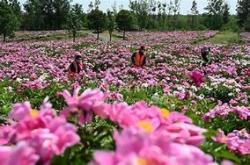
point(146, 14)
point(229, 123)
point(8, 20)
point(225, 13)
point(53, 18)
point(219, 151)
point(94, 136)
point(215, 14)
point(74, 20)
point(231, 26)
point(97, 21)
point(139, 94)
point(124, 21)
point(141, 9)
point(243, 11)
point(110, 23)
point(194, 17)
point(247, 23)
point(220, 92)
point(225, 37)
point(15, 5)
point(6, 98)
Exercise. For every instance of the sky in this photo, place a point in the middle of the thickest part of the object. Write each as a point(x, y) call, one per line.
point(185, 5)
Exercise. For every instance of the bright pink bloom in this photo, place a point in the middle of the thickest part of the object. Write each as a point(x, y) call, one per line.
point(20, 111)
point(197, 77)
point(42, 131)
point(236, 141)
point(22, 154)
point(224, 110)
point(83, 105)
point(156, 149)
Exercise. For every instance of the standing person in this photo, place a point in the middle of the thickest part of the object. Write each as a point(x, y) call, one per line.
point(139, 58)
point(204, 54)
point(75, 67)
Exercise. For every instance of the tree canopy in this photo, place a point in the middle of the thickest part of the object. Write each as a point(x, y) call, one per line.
point(97, 21)
point(124, 21)
point(8, 20)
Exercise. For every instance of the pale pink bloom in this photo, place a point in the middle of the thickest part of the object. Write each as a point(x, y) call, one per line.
point(236, 141)
point(21, 154)
point(20, 111)
point(83, 105)
point(227, 162)
point(42, 131)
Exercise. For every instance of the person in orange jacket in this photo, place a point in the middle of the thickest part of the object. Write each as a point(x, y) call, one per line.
point(139, 58)
point(75, 68)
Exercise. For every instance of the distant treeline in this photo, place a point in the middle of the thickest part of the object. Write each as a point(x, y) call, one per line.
point(142, 15)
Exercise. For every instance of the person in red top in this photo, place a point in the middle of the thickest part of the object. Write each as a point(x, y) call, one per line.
point(75, 67)
point(138, 58)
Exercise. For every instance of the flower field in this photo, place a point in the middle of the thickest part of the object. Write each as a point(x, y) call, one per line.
point(173, 111)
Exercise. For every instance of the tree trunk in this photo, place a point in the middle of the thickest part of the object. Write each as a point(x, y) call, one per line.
point(124, 31)
point(98, 36)
point(74, 36)
point(110, 36)
point(4, 37)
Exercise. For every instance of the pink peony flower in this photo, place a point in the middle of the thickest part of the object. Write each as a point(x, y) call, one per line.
point(224, 110)
point(156, 149)
point(22, 154)
point(20, 111)
point(197, 77)
point(236, 141)
point(83, 105)
point(43, 133)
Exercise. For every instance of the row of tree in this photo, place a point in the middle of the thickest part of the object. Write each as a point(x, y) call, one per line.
point(143, 15)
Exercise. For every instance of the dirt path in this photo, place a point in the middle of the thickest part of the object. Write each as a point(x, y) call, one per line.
point(246, 36)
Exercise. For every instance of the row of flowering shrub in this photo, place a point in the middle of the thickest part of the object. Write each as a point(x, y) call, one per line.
point(148, 135)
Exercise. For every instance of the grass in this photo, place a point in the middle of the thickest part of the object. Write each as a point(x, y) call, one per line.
point(105, 36)
point(225, 37)
point(46, 36)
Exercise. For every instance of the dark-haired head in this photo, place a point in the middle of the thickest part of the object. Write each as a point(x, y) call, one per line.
point(142, 49)
point(78, 58)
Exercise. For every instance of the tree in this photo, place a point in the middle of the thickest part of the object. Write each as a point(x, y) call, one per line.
point(97, 21)
point(15, 5)
point(194, 13)
point(50, 14)
point(243, 11)
point(61, 9)
point(74, 20)
point(114, 8)
point(91, 6)
point(8, 20)
point(96, 4)
point(247, 23)
point(79, 12)
point(110, 24)
point(176, 11)
point(124, 21)
point(141, 9)
point(226, 13)
point(215, 14)
point(170, 12)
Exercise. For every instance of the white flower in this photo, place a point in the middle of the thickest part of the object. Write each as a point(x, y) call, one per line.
point(19, 80)
point(237, 90)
